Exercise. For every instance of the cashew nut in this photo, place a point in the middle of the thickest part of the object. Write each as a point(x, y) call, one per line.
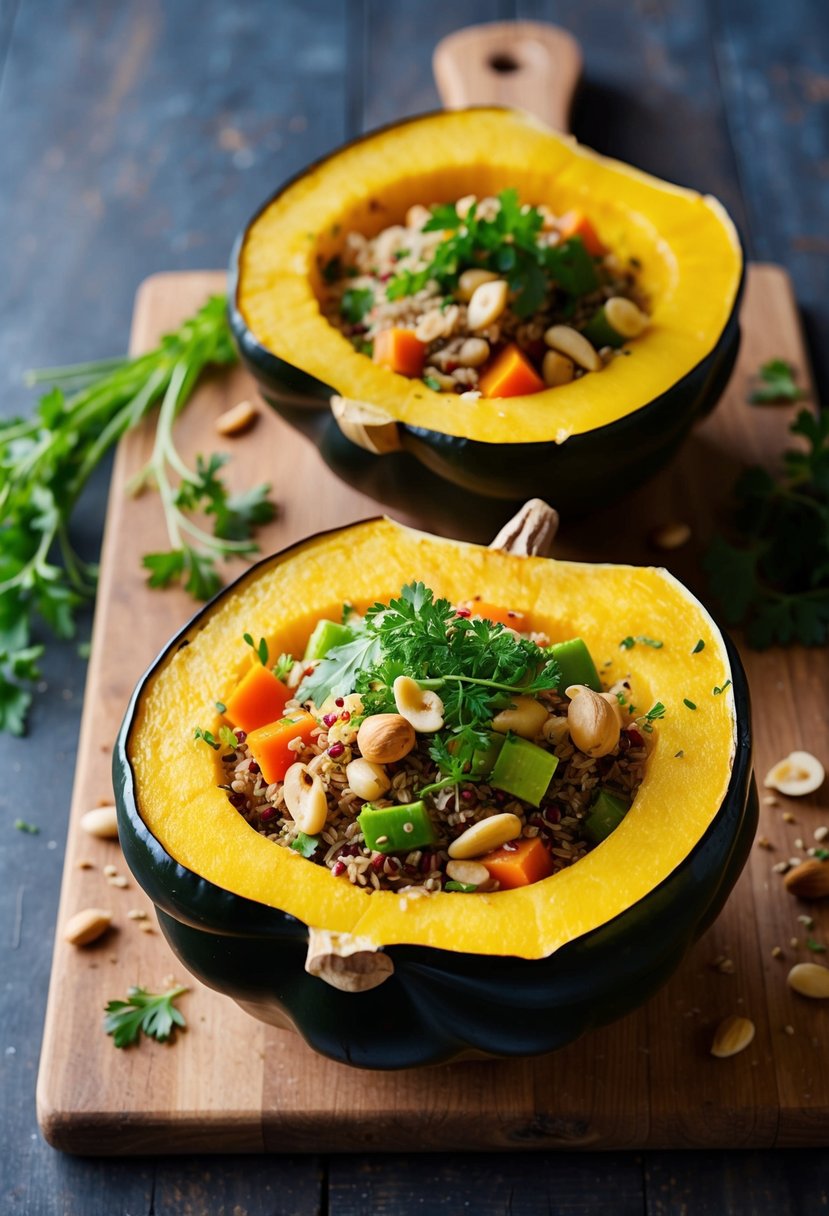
point(305, 799)
point(419, 706)
point(367, 780)
point(487, 303)
point(594, 721)
point(485, 835)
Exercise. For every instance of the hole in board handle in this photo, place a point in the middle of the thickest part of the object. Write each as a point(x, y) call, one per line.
point(504, 62)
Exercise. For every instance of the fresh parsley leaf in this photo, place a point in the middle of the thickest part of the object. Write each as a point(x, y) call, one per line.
point(228, 737)
point(356, 303)
point(821, 854)
point(165, 568)
point(432, 383)
point(654, 714)
point(207, 737)
point(815, 946)
point(777, 383)
point(772, 575)
point(466, 887)
point(153, 1014)
point(306, 846)
point(336, 674)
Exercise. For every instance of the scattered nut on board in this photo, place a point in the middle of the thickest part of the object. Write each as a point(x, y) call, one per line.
point(797, 774)
point(237, 419)
point(102, 822)
point(732, 1036)
point(671, 536)
point(808, 880)
point(87, 926)
point(810, 979)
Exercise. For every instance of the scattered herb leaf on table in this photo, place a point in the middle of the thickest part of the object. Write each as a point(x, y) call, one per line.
point(153, 1013)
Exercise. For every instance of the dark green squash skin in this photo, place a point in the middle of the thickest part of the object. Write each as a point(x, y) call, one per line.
point(439, 1004)
point(586, 472)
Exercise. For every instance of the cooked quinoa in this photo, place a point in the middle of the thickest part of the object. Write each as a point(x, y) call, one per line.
point(480, 277)
point(341, 738)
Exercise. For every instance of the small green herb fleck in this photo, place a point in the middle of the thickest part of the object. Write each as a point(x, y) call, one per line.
point(84, 649)
point(260, 648)
point(332, 270)
point(699, 646)
point(678, 755)
point(207, 737)
point(777, 383)
point(821, 854)
point(356, 302)
point(690, 704)
point(154, 1014)
point(283, 666)
point(228, 737)
point(814, 946)
point(718, 689)
point(221, 707)
point(305, 845)
point(23, 826)
point(459, 886)
point(647, 720)
point(627, 643)
point(432, 383)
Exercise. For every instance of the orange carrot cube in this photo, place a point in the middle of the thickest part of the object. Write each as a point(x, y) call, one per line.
point(399, 350)
point(500, 616)
point(269, 744)
point(519, 863)
point(510, 375)
point(576, 223)
point(257, 699)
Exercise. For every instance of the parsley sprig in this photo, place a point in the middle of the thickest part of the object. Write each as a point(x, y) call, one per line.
point(506, 244)
point(776, 383)
point(154, 1014)
point(45, 464)
point(772, 575)
point(476, 665)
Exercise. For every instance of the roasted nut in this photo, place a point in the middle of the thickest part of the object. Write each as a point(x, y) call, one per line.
point(557, 369)
point(810, 979)
point(623, 316)
point(800, 773)
point(384, 738)
point(470, 873)
point(420, 706)
point(471, 280)
point(464, 205)
point(305, 799)
point(87, 926)
point(526, 718)
point(367, 780)
point(474, 352)
point(487, 303)
point(102, 822)
point(417, 216)
point(237, 419)
point(568, 341)
point(731, 1036)
point(486, 835)
point(593, 720)
point(431, 326)
point(808, 880)
point(671, 536)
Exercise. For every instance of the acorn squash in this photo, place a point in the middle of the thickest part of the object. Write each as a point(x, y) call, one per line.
point(581, 443)
point(511, 973)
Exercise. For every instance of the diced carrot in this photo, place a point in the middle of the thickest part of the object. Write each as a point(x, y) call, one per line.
point(510, 375)
point(399, 350)
point(576, 223)
point(258, 698)
point(269, 744)
point(501, 616)
point(520, 863)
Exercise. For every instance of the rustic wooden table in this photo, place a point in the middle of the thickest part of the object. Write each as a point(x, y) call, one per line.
point(137, 136)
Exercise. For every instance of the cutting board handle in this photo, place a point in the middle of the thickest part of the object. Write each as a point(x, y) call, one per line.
point(527, 64)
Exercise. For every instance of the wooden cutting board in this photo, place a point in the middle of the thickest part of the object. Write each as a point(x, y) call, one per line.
point(232, 1084)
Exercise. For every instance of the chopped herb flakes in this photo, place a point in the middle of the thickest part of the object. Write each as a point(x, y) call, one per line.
point(259, 648)
point(629, 642)
point(720, 688)
point(207, 737)
point(689, 704)
point(815, 946)
point(31, 828)
point(356, 304)
point(678, 755)
point(699, 646)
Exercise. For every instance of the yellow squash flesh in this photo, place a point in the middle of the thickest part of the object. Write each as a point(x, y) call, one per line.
point(176, 777)
point(689, 252)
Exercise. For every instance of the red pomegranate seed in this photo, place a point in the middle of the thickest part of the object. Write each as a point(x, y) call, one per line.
point(267, 814)
point(309, 671)
point(464, 612)
point(467, 795)
point(335, 750)
point(339, 702)
point(241, 735)
point(377, 861)
point(329, 719)
point(345, 716)
point(338, 868)
point(634, 736)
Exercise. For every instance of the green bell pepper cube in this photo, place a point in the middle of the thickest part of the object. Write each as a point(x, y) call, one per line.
point(523, 769)
point(326, 635)
point(575, 664)
point(606, 813)
point(396, 829)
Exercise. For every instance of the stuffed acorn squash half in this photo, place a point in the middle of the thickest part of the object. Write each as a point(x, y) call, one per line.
point(416, 970)
point(611, 324)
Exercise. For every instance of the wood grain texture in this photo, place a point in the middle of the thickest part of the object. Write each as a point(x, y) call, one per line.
point(231, 1084)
